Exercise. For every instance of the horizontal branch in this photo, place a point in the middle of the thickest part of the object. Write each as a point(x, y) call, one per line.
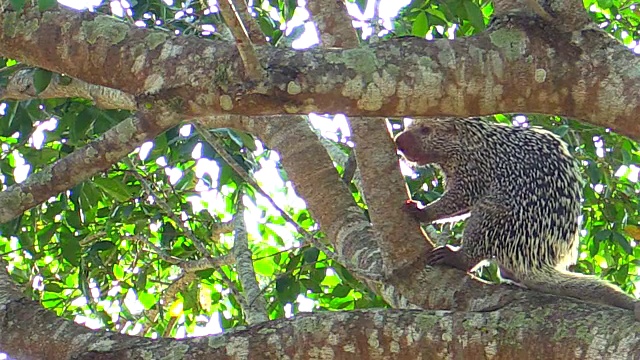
point(517, 66)
point(20, 86)
point(516, 332)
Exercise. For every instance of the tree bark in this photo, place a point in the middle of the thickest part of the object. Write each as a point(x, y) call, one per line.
point(516, 66)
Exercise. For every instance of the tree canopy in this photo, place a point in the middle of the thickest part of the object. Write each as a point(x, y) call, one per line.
point(177, 170)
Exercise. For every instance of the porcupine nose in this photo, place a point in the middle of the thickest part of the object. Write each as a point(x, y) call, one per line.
point(403, 141)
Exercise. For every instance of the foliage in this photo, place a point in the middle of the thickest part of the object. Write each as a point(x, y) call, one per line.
point(86, 253)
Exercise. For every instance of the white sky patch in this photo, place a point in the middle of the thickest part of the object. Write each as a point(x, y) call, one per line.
point(145, 149)
point(38, 136)
point(212, 325)
point(174, 174)
point(21, 170)
point(630, 172)
point(81, 4)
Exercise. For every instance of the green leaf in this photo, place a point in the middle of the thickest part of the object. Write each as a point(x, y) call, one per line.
point(41, 79)
point(44, 5)
point(71, 250)
point(420, 25)
point(102, 246)
point(190, 298)
point(118, 271)
point(53, 287)
point(141, 279)
point(64, 80)
point(605, 4)
point(113, 188)
point(287, 289)
point(602, 235)
point(43, 236)
point(341, 291)
point(561, 130)
point(622, 241)
point(474, 14)
point(595, 174)
point(17, 5)
point(310, 255)
point(147, 300)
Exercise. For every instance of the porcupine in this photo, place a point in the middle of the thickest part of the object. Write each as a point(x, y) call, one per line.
point(522, 189)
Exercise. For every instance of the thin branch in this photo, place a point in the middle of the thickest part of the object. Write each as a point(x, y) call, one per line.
point(20, 87)
point(256, 35)
point(199, 245)
point(253, 69)
point(83, 163)
point(167, 209)
point(208, 263)
point(169, 294)
point(161, 253)
point(307, 236)
point(256, 310)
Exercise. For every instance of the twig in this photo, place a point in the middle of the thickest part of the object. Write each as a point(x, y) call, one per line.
point(161, 253)
point(253, 69)
point(187, 231)
point(207, 263)
point(167, 210)
point(375, 23)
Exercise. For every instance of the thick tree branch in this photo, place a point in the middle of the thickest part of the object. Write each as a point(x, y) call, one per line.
point(402, 237)
point(516, 332)
point(316, 180)
point(517, 66)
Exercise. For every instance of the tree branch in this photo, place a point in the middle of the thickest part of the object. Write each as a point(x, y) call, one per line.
point(401, 235)
point(252, 67)
point(255, 309)
point(20, 87)
point(548, 332)
point(256, 36)
point(514, 67)
point(333, 23)
point(316, 180)
point(80, 165)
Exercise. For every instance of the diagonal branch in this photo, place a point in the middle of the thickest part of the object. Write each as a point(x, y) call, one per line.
point(253, 69)
point(256, 36)
point(80, 165)
point(333, 23)
point(316, 180)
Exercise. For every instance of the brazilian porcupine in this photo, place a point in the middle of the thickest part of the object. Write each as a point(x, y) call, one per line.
point(522, 190)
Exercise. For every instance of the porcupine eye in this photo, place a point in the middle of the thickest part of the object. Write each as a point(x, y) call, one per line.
point(425, 131)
